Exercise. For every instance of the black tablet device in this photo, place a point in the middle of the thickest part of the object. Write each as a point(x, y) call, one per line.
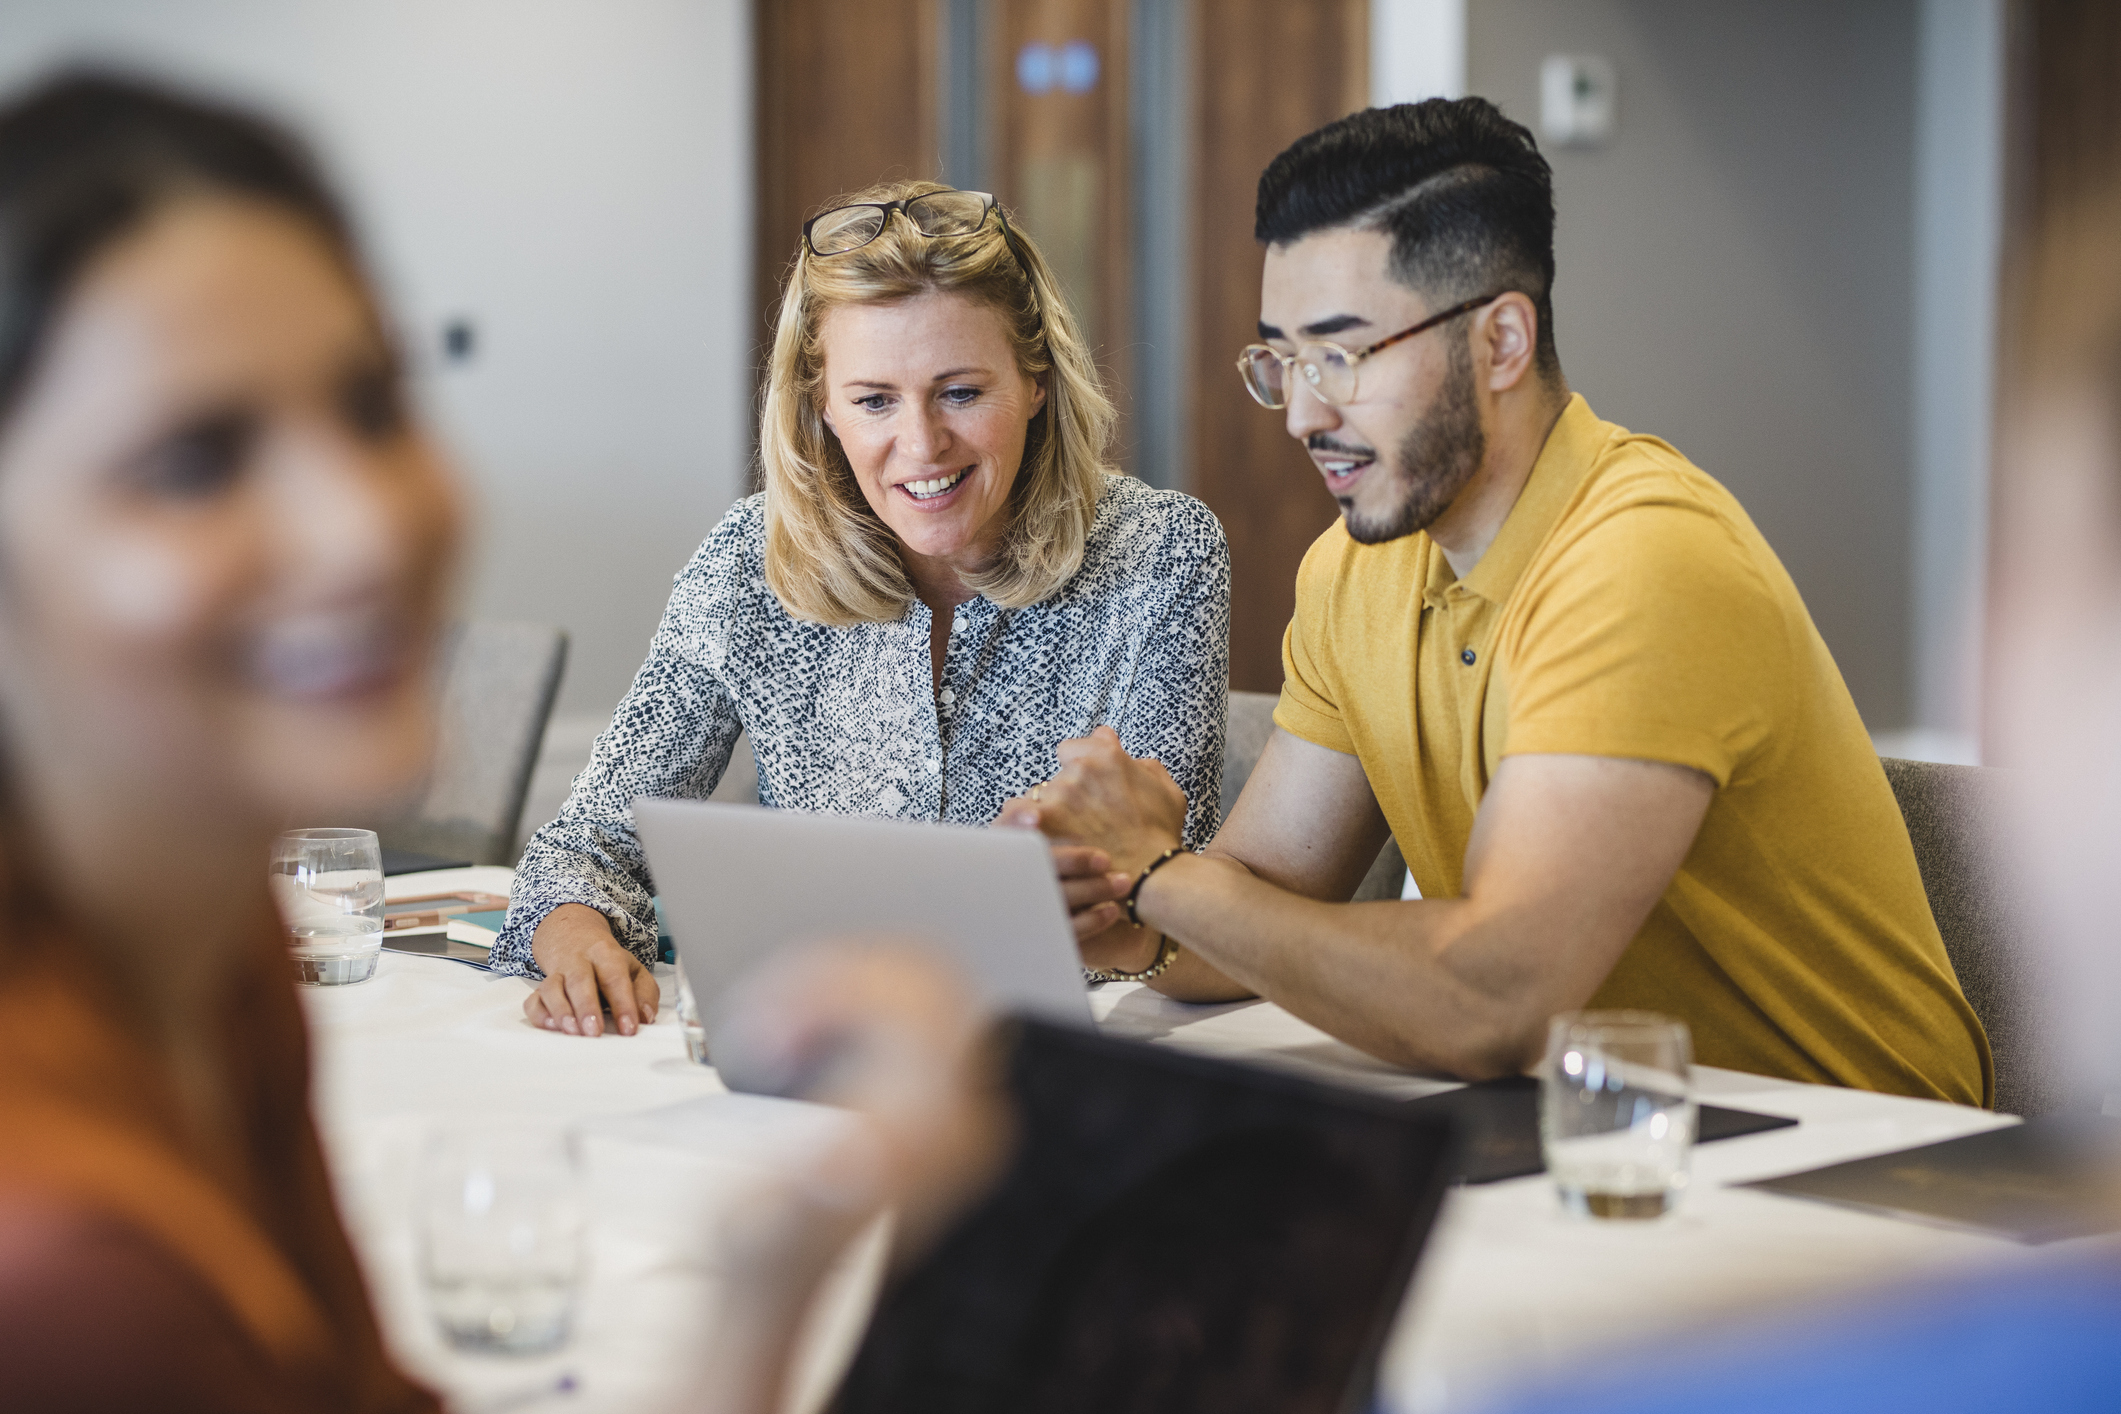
point(1172, 1233)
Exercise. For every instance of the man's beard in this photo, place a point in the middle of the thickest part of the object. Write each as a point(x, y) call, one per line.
point(1437, 457)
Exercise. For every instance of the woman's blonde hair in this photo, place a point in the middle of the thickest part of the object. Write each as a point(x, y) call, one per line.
point(829, 557)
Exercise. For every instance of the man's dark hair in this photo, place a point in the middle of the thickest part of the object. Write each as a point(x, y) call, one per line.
point(1461, 190)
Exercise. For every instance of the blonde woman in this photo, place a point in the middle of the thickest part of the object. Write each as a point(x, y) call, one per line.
point(941, 582)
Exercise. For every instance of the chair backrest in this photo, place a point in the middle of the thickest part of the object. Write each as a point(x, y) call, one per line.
point(498, 685)
point(1953, 815)
point(1251, 723)
point(740, 778)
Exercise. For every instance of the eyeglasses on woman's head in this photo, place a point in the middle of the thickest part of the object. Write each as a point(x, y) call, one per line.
point(935, 213)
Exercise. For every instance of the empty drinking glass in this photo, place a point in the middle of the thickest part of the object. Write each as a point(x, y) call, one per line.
point(329, 886)
point(1616, 1114)
point(500, 1217)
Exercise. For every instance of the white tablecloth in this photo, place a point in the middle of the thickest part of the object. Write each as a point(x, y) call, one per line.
point(1509, 1287)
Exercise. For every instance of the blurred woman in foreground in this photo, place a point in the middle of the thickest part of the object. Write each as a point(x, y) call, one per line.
point(223, 551)
point(223, 547)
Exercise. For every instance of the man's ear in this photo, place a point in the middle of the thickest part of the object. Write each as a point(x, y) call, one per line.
point(1510, 330)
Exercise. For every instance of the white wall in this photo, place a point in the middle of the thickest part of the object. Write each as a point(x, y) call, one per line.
point(1417, 50)
point(572, 176)
point(1958, 239)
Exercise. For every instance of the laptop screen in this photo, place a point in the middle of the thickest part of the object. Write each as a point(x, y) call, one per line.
point(1172, 1233)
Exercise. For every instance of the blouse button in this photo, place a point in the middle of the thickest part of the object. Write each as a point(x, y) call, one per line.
point(1466, 657)
point(948, 696)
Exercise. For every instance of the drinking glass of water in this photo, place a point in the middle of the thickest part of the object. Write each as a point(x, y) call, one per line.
point(1616, 1112)
point(329, 886)
point(500, 1221)
point(689, 1018)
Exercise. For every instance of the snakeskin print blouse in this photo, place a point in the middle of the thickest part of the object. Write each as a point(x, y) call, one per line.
point(848, 720)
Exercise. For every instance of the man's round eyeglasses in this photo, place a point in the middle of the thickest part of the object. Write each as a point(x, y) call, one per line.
point(1328, 369)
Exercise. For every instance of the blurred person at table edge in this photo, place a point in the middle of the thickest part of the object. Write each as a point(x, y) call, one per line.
point(223, 550)
point(940, 583)
point(1552, 657)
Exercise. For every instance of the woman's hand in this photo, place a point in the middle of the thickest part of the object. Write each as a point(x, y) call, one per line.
point(585, 971)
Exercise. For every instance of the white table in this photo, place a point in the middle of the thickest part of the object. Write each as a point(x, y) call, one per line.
point(1509, 1287)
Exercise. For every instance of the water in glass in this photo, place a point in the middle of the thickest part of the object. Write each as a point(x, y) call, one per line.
point(328, 884)
point(500, 1219)
point(1617, 1112)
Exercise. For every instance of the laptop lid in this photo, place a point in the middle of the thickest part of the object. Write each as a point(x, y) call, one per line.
point(741, 882)
point(1172, 1232)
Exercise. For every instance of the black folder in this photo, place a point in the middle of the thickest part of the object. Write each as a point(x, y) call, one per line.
point(407, 861)
point(1498, 1126)
point(2044, 1180)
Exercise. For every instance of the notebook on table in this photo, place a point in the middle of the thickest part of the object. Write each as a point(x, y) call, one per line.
point(1499, 1126)
point(459, 926)
point(2055, 1177)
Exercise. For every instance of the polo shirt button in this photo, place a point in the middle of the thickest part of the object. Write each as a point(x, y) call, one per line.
point(1467, 657)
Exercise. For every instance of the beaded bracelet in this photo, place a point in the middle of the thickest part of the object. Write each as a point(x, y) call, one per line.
point(1135, 893)
point(1166, 954)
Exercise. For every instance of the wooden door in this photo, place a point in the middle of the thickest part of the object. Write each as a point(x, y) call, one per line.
point(1265, 72)
point(847, 96)
point(1059, 158)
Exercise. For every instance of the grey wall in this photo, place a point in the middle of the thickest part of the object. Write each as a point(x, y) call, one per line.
point(574, 177)
point(1735, 272)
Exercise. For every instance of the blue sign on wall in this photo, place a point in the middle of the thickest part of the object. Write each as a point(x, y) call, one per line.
point(1072, 67)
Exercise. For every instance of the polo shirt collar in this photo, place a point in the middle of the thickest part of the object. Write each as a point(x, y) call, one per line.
point(1563, 461)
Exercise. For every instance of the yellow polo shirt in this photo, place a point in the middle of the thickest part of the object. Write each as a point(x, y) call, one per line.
point(1630, 608)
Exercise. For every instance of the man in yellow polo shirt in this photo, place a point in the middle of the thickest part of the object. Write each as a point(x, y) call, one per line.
point(1556, 660)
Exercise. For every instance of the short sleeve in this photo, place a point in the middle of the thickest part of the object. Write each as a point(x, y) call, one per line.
point(1653, 636)
point(1310, 692)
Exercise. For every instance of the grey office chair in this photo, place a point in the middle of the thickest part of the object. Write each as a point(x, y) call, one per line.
point(1251, 723)
point(498, 685)
point(1952, 814)
point(740, 779)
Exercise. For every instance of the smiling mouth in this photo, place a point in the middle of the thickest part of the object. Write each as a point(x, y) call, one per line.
point(1341, 469)
point(332, 656)
point(935, 488)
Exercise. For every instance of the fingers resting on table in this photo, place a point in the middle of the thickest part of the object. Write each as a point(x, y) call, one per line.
point(586, 973)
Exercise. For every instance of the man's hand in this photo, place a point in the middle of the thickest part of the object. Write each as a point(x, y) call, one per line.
point(1089, 885)
point(1106, 800)
point(586, 970)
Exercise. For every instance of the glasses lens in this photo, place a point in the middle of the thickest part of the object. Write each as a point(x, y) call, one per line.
point(947, 213)
point(1262, 370)
point(849, 228)
point(1327, 371)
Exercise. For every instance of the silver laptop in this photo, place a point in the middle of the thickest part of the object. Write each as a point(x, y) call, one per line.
point(740, 882)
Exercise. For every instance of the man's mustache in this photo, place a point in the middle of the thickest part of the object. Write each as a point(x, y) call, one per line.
point(1320, 442)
